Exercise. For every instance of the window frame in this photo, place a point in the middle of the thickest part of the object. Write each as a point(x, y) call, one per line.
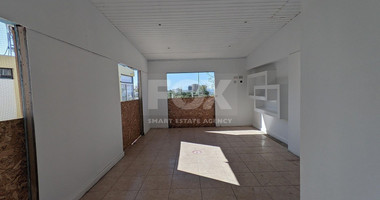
point(5, 76)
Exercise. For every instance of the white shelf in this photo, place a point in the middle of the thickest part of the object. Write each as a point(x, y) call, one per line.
point(260, 98)
point(266, 96)
point(264, 73)
point(267, 112)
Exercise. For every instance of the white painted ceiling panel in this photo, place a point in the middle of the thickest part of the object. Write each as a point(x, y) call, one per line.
point(190, 29)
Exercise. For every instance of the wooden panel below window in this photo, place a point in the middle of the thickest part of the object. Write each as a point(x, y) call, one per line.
point(13, 164)
point(131, 121)
point(191, 112)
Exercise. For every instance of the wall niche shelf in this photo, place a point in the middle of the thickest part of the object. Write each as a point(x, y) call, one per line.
point(265, 94)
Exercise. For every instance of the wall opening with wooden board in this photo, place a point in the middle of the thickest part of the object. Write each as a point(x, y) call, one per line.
point(191, 101)
point(17, 164)
point(131, 104)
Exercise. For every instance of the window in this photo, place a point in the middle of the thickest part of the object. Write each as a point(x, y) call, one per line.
point(129, 83)
point(126, 84)
point(6, 73)
point(190, 85)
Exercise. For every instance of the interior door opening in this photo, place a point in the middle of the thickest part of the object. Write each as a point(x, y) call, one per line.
point(18, 166)
point(131, 104)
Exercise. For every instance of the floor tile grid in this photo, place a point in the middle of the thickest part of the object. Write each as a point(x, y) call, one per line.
point(165, 139)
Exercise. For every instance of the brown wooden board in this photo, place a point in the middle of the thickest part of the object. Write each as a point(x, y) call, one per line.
point(191, 112)
point(13, 166)
point(131, 121)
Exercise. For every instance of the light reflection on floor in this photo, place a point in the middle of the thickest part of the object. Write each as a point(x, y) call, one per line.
point(206, 161)
point(238, 132)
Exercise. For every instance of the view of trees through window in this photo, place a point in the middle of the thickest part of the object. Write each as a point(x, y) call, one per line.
point(190, 85)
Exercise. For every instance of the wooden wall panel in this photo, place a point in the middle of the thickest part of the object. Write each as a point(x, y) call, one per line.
point(13, 166)
point(191, 112)
point(131, 121)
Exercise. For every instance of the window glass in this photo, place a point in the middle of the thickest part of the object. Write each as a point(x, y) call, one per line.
point(191, 85)
point(129, 83)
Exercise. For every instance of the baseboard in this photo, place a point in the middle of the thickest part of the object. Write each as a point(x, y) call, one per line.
point(99, 176)
point(273, 134)
point(277, 136)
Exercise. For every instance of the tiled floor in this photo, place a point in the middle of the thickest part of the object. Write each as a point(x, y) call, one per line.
point(202, 163)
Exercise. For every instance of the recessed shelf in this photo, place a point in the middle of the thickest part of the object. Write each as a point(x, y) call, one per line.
point(266, 97)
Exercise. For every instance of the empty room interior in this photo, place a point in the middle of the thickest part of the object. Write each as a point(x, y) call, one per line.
point(189, 100)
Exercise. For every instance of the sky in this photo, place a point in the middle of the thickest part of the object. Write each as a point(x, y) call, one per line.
point(183, 80)
point(3, 38)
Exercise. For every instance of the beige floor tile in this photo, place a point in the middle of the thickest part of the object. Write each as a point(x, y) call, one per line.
point(212, 183)
point(104, 185)
point(259, 166)
point(232, 157)
point(242, 150)
point(283, 193)
point(238, 144)
point(251, 193)
point(218, 194)
point(94, 195)
point(118, 169)
point(289, 156)
point(271, 179)
point(160, 170)
point(128, 183)
point(293, 177)
point(246, 179)
point(137, 170)
point(185, 194)
point(251, 157)
point(153, 195)
point(236, 163)
point(185, 182)
point(284, 165)
point(213, 167)
point(120, 195)
point(238, 167)
point(272, 156)
point(186, 168)
point(157, 183)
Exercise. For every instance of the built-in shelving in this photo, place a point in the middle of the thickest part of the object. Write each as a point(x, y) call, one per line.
point(266, 96)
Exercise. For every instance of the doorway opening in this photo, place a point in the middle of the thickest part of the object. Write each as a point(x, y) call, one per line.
point(18, 165)
point(131, 104)
point(191, 99)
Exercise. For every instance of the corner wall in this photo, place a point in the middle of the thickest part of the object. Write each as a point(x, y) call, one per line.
point(282, 51)
point(340, 100)
point(74, 51)
point(225, 69)
point(77, 22)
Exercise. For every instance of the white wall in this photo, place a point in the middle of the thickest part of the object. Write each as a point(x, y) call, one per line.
point(276, 127)
point(278, 51)
point(8, 100)
point(77, 22)
point(77, 116)
point(74, 52)
point(340, 100)
point(278, 46)
point(225, 69)
point(294, 104)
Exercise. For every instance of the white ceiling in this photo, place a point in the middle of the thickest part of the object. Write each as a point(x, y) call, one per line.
point(187, 29)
